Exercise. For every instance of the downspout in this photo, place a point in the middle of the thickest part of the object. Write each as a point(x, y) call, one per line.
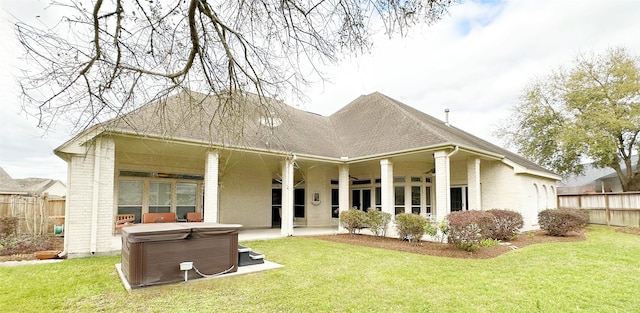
point(96, 196)
point(455, 150)
point(448, 175)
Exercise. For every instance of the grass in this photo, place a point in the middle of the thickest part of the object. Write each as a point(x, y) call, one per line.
point(601, 274)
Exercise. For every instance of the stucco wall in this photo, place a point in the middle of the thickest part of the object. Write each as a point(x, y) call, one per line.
point(503, 189)
point(245, 193)
point(318, 180)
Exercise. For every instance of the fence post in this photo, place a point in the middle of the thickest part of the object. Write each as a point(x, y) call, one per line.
point(606, 209)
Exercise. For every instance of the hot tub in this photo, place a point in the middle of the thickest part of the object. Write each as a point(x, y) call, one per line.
point(152, 253)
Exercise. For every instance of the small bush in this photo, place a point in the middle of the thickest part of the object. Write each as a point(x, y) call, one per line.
point(377, 222)
point(410, 226)
point(8, 226)
point(468, 228)
point(489, 242)
point(558, 222)
point(353, 220)
point(506, 224)
point(437, 231)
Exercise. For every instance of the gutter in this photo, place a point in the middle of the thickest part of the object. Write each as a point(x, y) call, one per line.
point(455, 150)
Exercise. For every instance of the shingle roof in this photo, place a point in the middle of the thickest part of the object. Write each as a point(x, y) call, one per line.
point(370, 125)
point(270, 125)
point(375, 123)
point(9, 185)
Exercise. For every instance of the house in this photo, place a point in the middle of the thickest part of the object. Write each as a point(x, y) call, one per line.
point(277, 166)
point(595, 180)
point(35, 187)
point(9, 186)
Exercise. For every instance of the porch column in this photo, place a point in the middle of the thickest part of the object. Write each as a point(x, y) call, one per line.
point(343, 189)
point(210, 213)
point(386, 187)
point(473, 181)
point(286, 225)
point(443, 185)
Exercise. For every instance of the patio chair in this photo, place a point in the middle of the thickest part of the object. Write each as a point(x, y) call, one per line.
point(123, 220)
point(194, 217)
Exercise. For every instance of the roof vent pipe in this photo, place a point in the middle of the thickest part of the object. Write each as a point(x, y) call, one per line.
point(446, 117)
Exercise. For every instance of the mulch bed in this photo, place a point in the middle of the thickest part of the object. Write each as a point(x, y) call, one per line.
point(450, 251)
point(57, 244)
point(424, 247)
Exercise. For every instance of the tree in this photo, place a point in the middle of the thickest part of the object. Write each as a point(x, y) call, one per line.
point(590, 111)
point(107, 58)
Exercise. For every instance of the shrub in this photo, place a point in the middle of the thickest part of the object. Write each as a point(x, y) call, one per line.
point(506, 224)
point(489, 242)
point(558, 222)
point(8, 226)
point(410, 226)
point(437, 230)
point(353, 220)
point(377, 222)
point(468, 228)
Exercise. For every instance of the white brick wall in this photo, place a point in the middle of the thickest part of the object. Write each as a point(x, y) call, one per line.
point(81, 195)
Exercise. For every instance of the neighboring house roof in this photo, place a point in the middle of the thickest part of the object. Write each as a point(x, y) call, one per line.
point(37, 186)
point(9, 185)
point(593, 174)
point(371, 125)
point(25, 186)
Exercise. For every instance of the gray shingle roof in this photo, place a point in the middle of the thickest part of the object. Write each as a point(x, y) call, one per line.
point(370, 125)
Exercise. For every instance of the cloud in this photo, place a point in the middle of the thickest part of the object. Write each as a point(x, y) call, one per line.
point(477, 60)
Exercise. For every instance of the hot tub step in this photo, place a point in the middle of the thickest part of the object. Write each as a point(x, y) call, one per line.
point(246, 256)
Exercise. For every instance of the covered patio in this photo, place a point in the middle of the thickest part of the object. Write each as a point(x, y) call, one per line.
point(275, 233)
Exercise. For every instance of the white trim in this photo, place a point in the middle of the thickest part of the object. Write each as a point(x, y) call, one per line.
point(211, 210)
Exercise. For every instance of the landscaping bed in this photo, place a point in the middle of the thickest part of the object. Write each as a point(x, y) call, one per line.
point(450, 251)
point(28, 252)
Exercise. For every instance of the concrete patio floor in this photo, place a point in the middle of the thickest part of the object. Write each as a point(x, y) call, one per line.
point(274, 233)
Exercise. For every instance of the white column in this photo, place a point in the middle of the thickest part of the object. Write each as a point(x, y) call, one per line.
point(343, 189)
point(386, 187)
point(443, 185)
point(95, 201)
point(286, 224)
point(210, 213)
point(473, 181)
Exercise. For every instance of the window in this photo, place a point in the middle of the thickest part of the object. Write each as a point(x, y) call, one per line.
point(335, 203)
point(415, 199)
point(298, 202)
point(276, 207)
point(427, 195)
point(159, 197)
point(185, 199)
point(379, 198)
point(399, 199)
point(130, 198)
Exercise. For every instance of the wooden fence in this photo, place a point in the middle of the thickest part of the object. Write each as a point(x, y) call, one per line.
point(36, 215)
point(616, 209)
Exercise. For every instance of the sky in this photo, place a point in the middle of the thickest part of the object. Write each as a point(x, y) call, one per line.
point(475, 62)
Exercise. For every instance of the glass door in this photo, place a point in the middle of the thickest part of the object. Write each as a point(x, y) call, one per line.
point(361, 199)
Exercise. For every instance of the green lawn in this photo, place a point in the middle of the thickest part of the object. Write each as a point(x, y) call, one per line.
point(601, 274)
